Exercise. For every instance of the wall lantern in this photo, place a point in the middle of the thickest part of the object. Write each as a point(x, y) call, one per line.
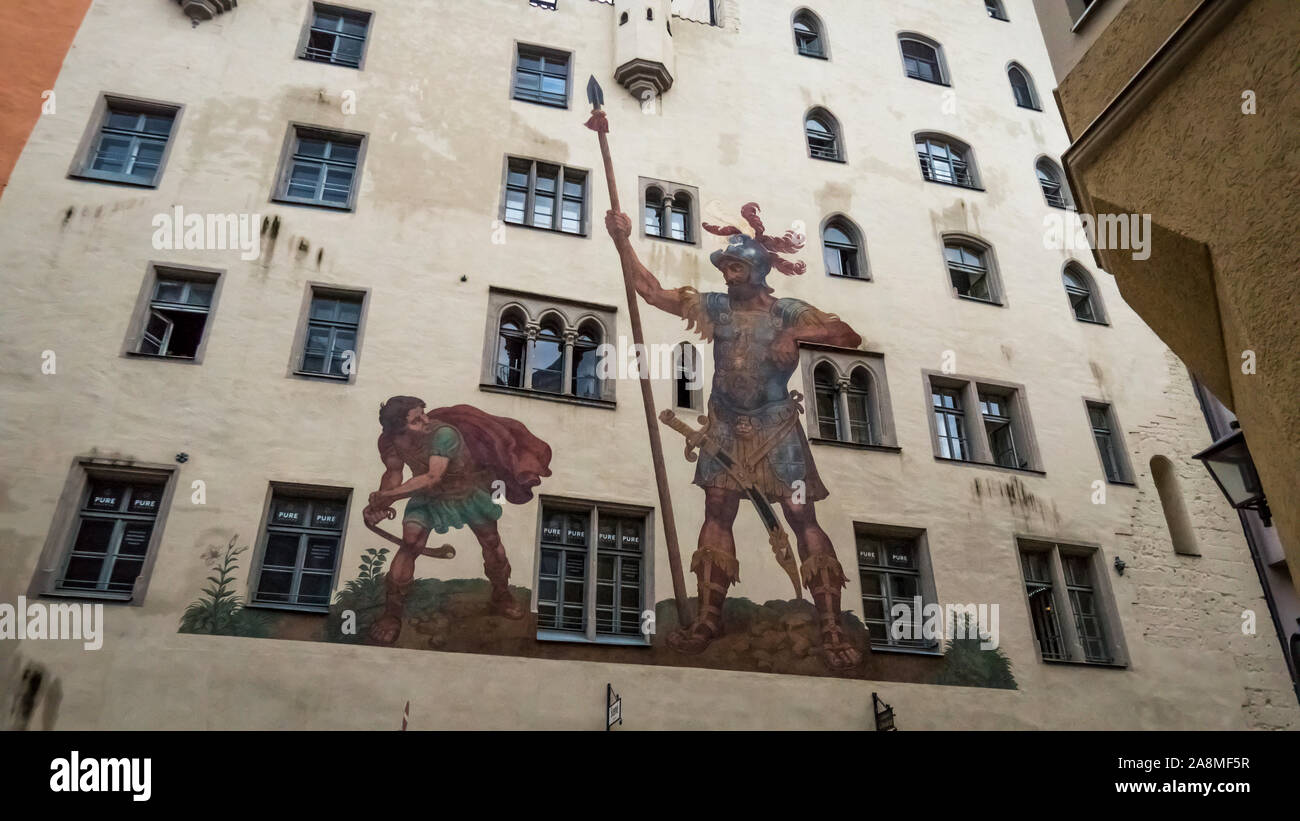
point(1228, 461)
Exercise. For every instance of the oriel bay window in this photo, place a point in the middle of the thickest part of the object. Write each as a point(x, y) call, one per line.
point(1071, 610)
point(983, 422)
point(302, 540)
point(544, 195)
point(592, 573)
point(559, 353)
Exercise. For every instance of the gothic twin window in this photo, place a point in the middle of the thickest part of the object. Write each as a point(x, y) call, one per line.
point(669, 215)
point(845, 410)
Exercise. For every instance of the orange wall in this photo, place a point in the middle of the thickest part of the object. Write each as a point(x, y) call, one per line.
point(35, 35)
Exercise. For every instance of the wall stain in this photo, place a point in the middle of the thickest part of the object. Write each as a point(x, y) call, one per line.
point(1016, 496)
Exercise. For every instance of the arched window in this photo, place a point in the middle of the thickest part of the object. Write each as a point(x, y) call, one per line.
point(842, 248)
point(923, 59)
point(512, 342)
point(858, 396)
point(668, 217)
point(1023, 87)
point(687, 388)
point(1052, 180)
point(823, 132)
point(826, 383)
point(995, 10)
point(1083, 296)
point(808, 37)
point(546, 357)
point(946, 160)
point(970, 270)
point(585, 381)
point(1174, 506)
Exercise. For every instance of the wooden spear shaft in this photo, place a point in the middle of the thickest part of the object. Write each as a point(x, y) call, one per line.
point(647, 396)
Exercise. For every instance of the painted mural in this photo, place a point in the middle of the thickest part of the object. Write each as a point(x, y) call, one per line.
point(459, 469)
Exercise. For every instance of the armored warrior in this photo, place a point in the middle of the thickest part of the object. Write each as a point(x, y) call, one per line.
point(753, 417)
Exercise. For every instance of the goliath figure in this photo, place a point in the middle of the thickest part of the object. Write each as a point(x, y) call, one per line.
point(754, 418)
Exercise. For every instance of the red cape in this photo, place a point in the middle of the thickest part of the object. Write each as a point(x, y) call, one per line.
point(503, 446)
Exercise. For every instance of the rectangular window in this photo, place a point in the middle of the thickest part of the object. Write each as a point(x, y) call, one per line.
point(1042, 608)
point(591, 580)
point(950, 420)
point(177, 316)
point(333, 325)
point(129, 143)
point(1070, 616)
point(1103, 433)
point(115, 525)
point(890, 570)
point(301, 543)
point(542, 76)
point(321, 168)
point(1000, 431)
point(986, 423)
point(336, 35)
point(547, 196)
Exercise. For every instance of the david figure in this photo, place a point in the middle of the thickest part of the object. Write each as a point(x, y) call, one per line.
point(754, 418)
point(465, 464)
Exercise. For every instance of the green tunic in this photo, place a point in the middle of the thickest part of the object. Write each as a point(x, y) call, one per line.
point(459, 498)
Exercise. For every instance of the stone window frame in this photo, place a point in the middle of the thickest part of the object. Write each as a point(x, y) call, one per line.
point(819, 28)
point(154, 271)
point(1104, 594)
point(570, 57)
point(696, 394)
point(565, 168)
point(845, 361)
point(535, 308)
point(997, 293)
point(977, 442)
point(1123, 463)
point(327, 289)
point(945, 75)
point(80, 168)
point(670, 191)
point(296, 129)
point(593, 507)
point(67, 516)
point(305, 36)
point(925, 573)
point(1100, 317)
point(326, 492)
point(860, 242)
point(1066, 196)
point(1036, 101)
point(832, 123)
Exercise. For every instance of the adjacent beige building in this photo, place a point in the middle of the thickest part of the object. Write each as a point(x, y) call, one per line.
point(422, 213)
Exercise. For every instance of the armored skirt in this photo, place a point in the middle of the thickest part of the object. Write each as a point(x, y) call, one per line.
point(770, 443)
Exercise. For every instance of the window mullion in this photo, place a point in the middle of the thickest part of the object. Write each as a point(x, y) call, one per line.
point(1061, 601)
point(593, 545)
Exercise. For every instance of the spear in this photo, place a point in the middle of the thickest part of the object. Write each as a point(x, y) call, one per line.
point(599, 124)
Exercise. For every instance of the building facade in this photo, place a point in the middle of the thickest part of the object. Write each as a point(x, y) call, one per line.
point(318, 381)
point(1144, 93)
